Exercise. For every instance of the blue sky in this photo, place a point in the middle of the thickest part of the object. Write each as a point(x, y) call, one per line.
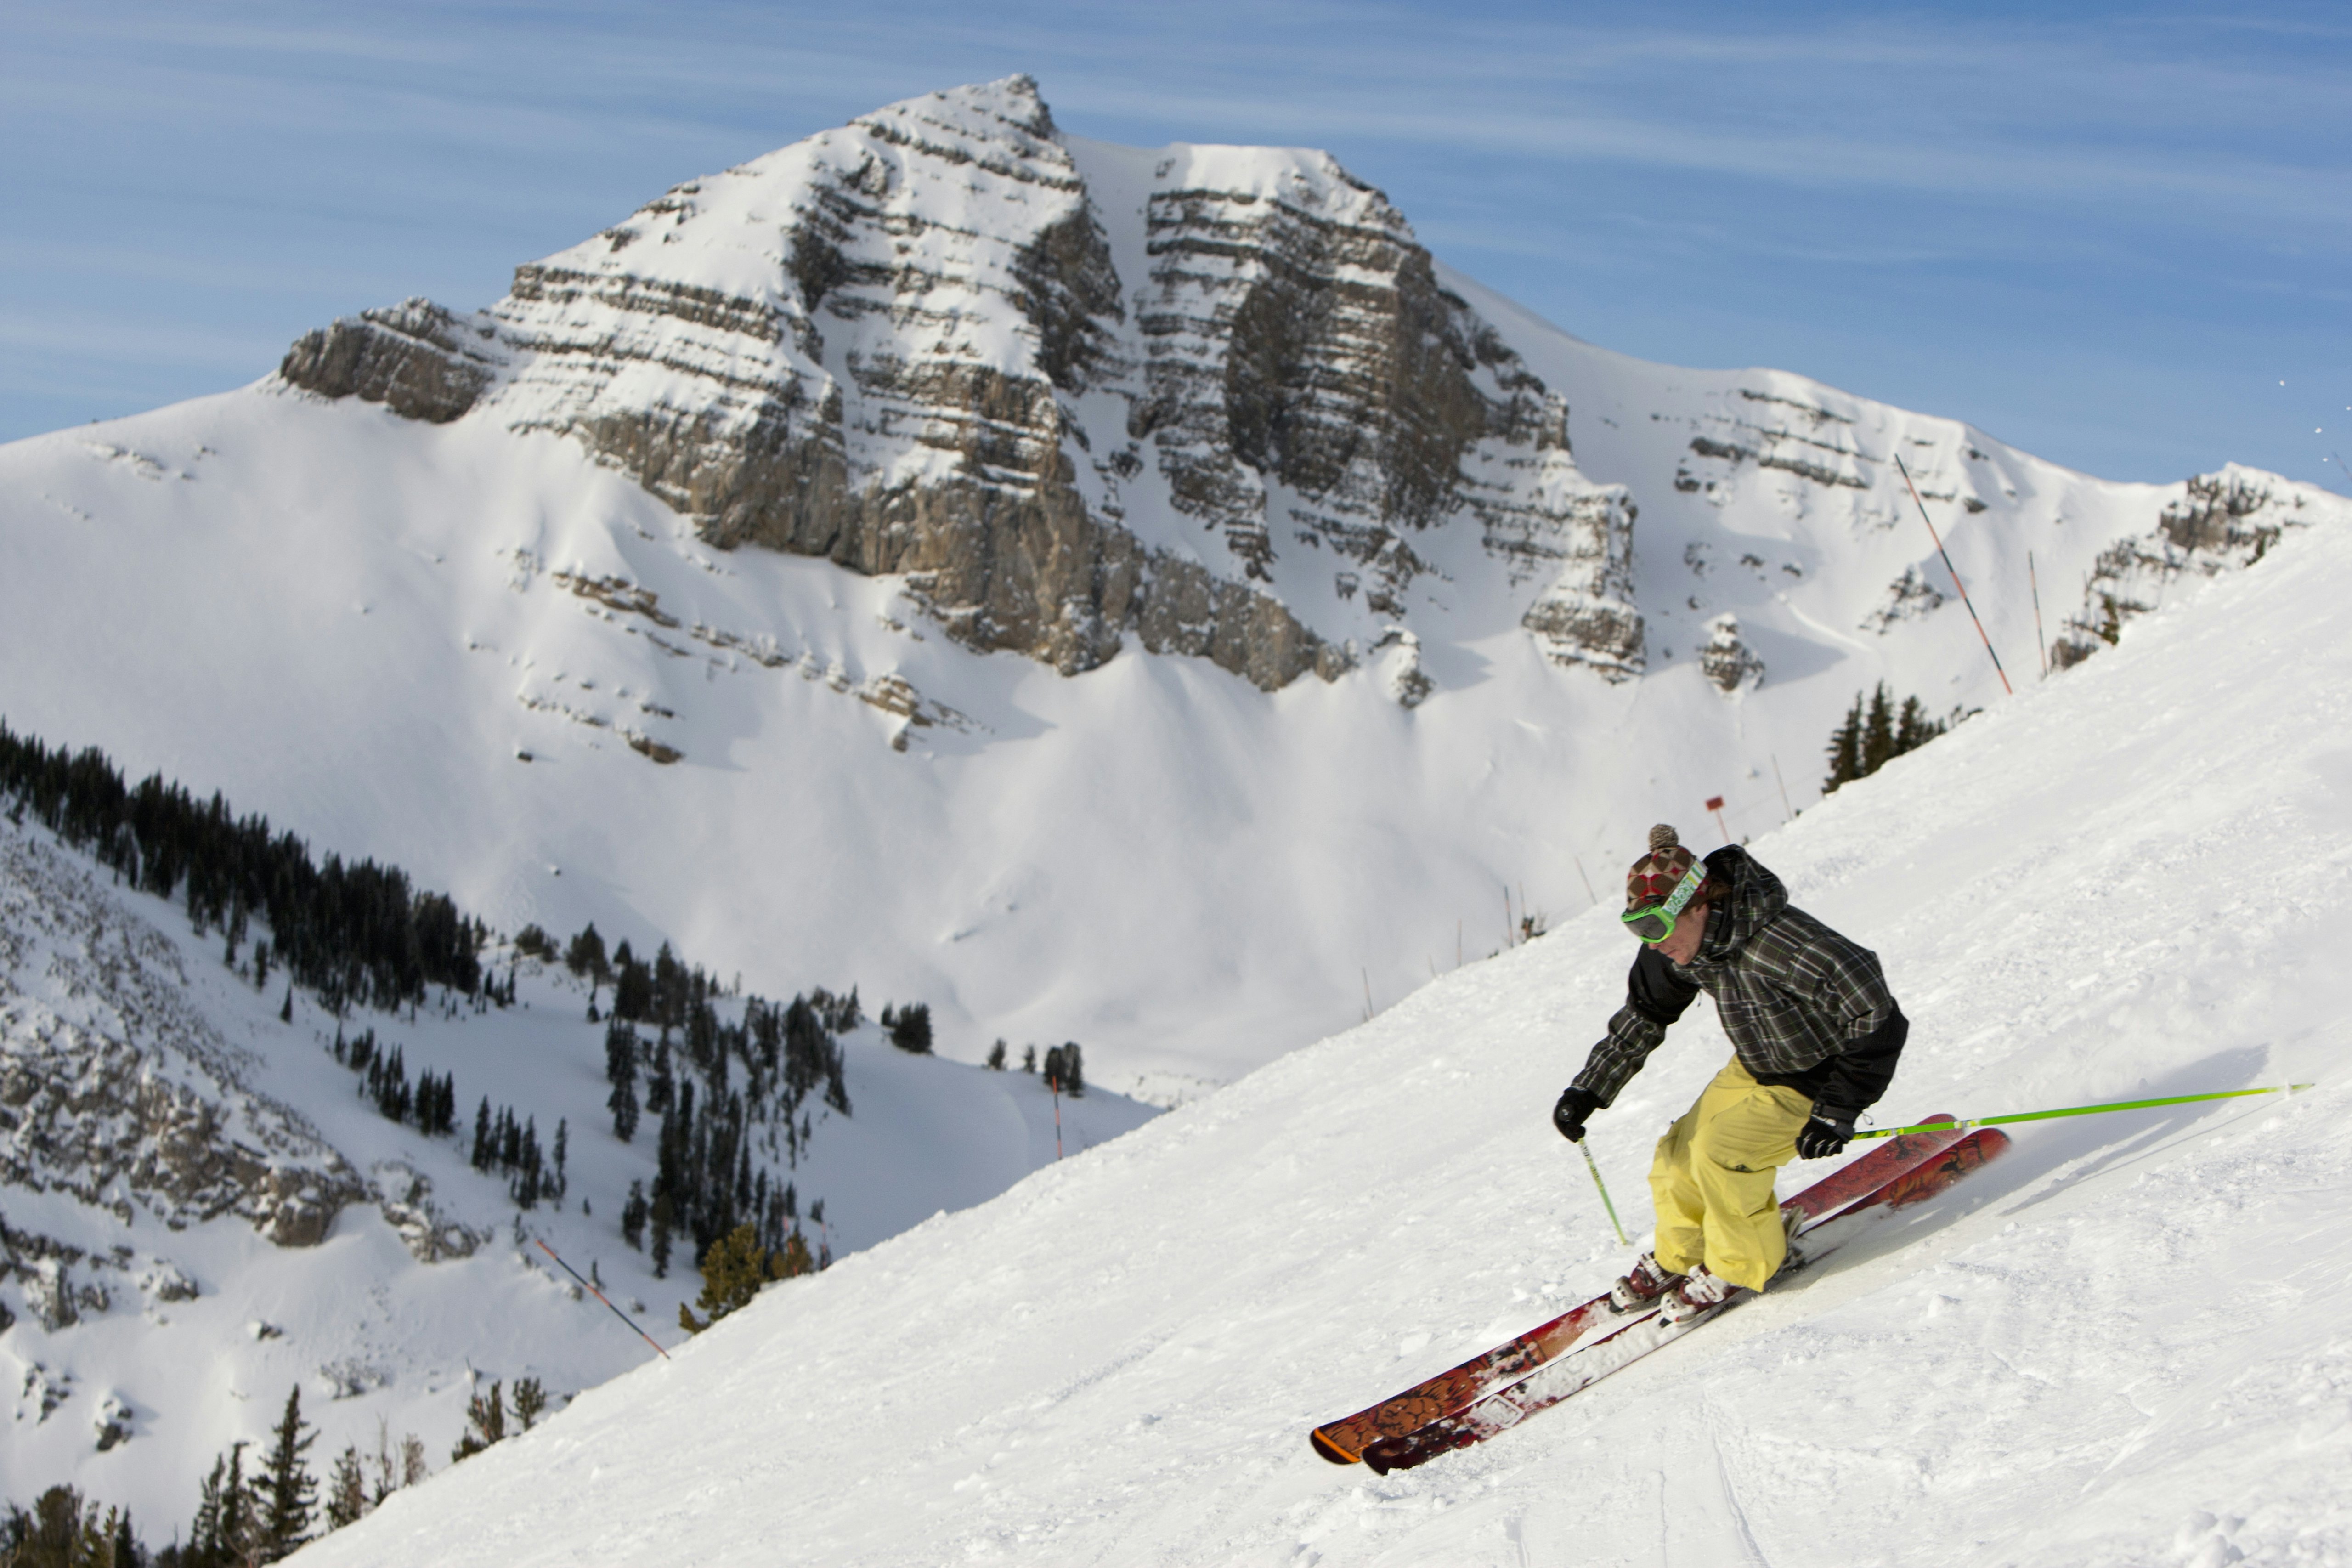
point(2106, 238)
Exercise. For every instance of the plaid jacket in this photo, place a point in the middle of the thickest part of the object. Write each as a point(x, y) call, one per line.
point(1804, 1006)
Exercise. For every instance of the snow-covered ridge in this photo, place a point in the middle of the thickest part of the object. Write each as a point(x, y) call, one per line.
point(1067, 396)
point(1216, 397)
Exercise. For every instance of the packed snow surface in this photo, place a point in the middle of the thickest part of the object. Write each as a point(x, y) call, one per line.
point(2124, 1344)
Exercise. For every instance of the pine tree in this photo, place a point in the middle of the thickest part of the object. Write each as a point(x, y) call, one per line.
point(1870, 738)
point(1878, 731)
point(996, 1057)
point(664, 1216)
point(62, 1531)
point(1073, 1071)
point(529, 1398)
point(224, 1534)
point(733, 1273)
point(837, 1091)
point(287, 1488)
point(485, 1422)
point(1028, 1058)
point(623, 1107)
point(911, 1029)
point(632, 1217)
point(1845, 750)
point(585, 953)
point(1914, 728)
point(286, 1013)
point(347, 1497)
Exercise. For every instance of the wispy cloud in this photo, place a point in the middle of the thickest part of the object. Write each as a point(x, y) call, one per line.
point(2104, 180)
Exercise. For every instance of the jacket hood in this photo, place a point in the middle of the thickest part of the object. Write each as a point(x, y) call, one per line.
point(1757, 899)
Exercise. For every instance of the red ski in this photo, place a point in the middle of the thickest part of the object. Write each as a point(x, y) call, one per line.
point(1343, 1442)
point(1502, 1410)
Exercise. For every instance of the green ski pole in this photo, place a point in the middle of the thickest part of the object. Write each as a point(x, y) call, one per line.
point(1595, 1169)
point(2080, 1111)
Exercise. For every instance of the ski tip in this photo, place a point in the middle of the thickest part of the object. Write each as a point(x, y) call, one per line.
point(1331, 1451)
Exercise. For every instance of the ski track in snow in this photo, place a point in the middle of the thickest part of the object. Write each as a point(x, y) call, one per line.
point(2123, 1344)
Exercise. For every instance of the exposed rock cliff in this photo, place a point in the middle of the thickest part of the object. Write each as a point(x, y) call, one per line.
point(907, 346)
point(114, 1090)
point(1726, 661)
point(2224, 520)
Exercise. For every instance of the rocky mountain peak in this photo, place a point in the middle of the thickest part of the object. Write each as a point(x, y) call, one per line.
point(1214, 397)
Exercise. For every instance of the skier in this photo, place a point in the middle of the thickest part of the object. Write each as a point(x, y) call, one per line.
point(1814, 1033)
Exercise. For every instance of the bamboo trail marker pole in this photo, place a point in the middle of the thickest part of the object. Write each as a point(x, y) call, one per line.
point(602, 1297)
point(1776, 779)
point(1587, 881)
point(1715, 805)
point(2040, 643)
point(1963, 587)
point(1593, 1166)
point(2085, 1110)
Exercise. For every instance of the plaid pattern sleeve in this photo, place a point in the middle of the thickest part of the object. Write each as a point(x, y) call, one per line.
point(1619, 1054)
point(1656, 995)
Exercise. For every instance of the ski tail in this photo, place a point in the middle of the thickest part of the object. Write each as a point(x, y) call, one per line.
point(1507, 1408)
point(1343, 1442)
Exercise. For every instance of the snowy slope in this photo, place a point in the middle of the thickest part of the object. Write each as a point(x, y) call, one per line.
point(2125, 1343)
point(185, 1333)
point(461, 647)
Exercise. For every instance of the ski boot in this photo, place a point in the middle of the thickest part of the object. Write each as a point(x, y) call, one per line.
point(1696, 1292)
point(1644, 1286)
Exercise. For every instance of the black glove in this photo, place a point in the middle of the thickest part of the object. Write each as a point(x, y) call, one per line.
point(1827, 1134)
point(1575, 1105)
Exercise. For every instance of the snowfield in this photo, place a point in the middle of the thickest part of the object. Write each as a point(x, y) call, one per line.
point(2127, 1344)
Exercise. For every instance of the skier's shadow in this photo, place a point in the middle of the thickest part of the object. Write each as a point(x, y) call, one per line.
point(2050, 1158)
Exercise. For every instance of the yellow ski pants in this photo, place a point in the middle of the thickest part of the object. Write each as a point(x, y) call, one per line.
point(1712, 1178)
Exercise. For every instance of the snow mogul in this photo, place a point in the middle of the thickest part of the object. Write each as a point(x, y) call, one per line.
point(1815, 1034)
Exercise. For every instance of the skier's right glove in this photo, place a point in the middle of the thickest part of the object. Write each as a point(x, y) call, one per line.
point(1827, 1134)
point(1569, 1115)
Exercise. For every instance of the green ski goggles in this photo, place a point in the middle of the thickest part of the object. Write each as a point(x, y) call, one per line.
point(1656, 922)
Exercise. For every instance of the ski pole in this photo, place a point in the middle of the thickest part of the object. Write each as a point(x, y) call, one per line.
point(1955, 570)
point(1591, 1165)
point(602, 1297)
point(2080, 1111)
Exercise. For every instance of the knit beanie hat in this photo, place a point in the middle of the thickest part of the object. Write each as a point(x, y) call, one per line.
point(1658, 873)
